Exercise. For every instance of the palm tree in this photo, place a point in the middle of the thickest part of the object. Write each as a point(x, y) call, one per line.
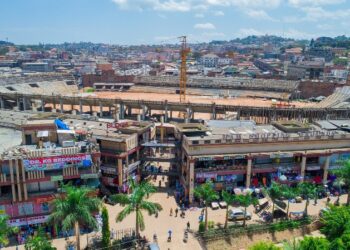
point(344, 174)
point(274, 192)
point(75, 208)
point(5, 230)
point(246, 200)
point(136, 202)
point(207, 194)
point(307, 190)
point(229, 199)
point(288, 193)
point(339, 182)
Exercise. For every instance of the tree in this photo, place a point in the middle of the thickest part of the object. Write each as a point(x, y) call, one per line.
point(308, 191)
point(5, 230)
point(264, 245)
point(207, 194)
point(106, 234)
point(313, 243)
point(136, 202)
point(288, 193)
point(39, 242)
point(246, 200)
point(335, 222)
point(229, 199)
point(274, 192)
point(344, 174)
point(75, 208)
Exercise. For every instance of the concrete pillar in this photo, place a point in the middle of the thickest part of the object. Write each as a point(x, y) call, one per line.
point(122, 111)
point(191, 182)
point(110, 111)
point(120, 172)
point(213, 111)
point(18, 181)
point(12, 181)
point(238, 117)
point(144, 112)
point(24, 103)
point(80, 107)
point(61, 106)
point(325, 169)
point(129, 111)
point(171, 114)
point(2, 103)
point(18, 104)
point(138, 155)
point(249, 172)
point(25, 191)
point(101, 110)
point(166, 113)
point(42, 105)
point(303, 166)
point(90, 109)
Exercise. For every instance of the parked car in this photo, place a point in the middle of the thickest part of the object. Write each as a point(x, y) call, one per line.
point(222, 204)
point(215, 205)
point(238, 214)
point(153, 246)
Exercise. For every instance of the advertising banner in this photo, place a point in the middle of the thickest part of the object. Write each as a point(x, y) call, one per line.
point(54, 162)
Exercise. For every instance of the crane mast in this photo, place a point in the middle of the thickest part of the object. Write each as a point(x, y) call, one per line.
point(183, 69)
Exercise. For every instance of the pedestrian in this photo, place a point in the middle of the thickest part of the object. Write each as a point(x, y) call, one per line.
point(188, 225)
point(113, 233)
point(169, 235)
point(176, 211)
point(171, 212)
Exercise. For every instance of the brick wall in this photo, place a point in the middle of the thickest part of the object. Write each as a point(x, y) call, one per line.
point(314, 89)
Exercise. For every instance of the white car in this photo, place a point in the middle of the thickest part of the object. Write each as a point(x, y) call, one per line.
point(238, 214)
point(215, 205)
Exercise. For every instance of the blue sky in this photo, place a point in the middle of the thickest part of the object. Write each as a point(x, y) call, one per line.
point(160, 21)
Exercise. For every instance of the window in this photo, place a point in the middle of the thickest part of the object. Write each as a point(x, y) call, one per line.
point(25, 209)
point(207, 142)
point(217, 141)
point(195, 142)
point(70, 82)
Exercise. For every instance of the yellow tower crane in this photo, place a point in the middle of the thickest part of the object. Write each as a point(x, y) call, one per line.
point(183, 69)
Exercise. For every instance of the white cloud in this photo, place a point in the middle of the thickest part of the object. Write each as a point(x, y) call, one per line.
point(159, 5)
point(199, 15)
point(204, 26)
point(259, 14)
point(290, 33)
point(218, 13)
point(303, 3)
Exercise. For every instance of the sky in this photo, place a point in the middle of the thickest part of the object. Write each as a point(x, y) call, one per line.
point(129, 22)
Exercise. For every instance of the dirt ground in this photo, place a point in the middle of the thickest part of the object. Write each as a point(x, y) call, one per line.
point(242, 101)
point(164, 222)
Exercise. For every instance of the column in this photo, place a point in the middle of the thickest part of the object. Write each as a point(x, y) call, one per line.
point(122, 111)
point(2, 103)
point(18, 181)
point(80, 106)
point(101, 110)
point(18, 104)
point(61, 106)
point(25, 192)
point(303, 166)
point(213, 111)
point(166, 112)
point(129, 111)
point(42, 105)
point(24, 103)
point(91, 109)
point(12, 181)
point(138, 154)
point(171, 114)
point(191, 181)
point(144, 111)
point(249, 172)
point(325, 169)
point(120, 172)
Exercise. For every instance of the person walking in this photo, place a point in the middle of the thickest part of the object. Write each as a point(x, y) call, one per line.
point(171, 211)
point(176, 211)
point(188, 225)
point(169, 235)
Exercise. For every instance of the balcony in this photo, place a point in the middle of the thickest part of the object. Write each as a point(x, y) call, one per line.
point(5, 180)
point(238, 168)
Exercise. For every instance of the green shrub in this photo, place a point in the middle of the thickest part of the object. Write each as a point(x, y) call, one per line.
point(89, 90)
point(201, 227)
point(211, 224)
point(106, 234)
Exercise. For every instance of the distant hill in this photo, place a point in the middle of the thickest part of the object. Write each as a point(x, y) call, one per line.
point(4, 43)
point(339, 41)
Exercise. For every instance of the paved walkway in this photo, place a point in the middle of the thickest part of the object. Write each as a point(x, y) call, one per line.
point(164, 222)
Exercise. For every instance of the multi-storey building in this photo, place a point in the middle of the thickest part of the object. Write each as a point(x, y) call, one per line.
point(31, 174)
point(243, 154)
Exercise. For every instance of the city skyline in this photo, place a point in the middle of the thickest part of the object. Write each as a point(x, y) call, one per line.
point(158, 21)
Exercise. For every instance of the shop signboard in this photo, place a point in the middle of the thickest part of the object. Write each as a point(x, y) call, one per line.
point(28, 221)
point(55, 162)
point(57, 178)
point(205, 158)
point(89, 176)
point(313, 168)
point(206, 175)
